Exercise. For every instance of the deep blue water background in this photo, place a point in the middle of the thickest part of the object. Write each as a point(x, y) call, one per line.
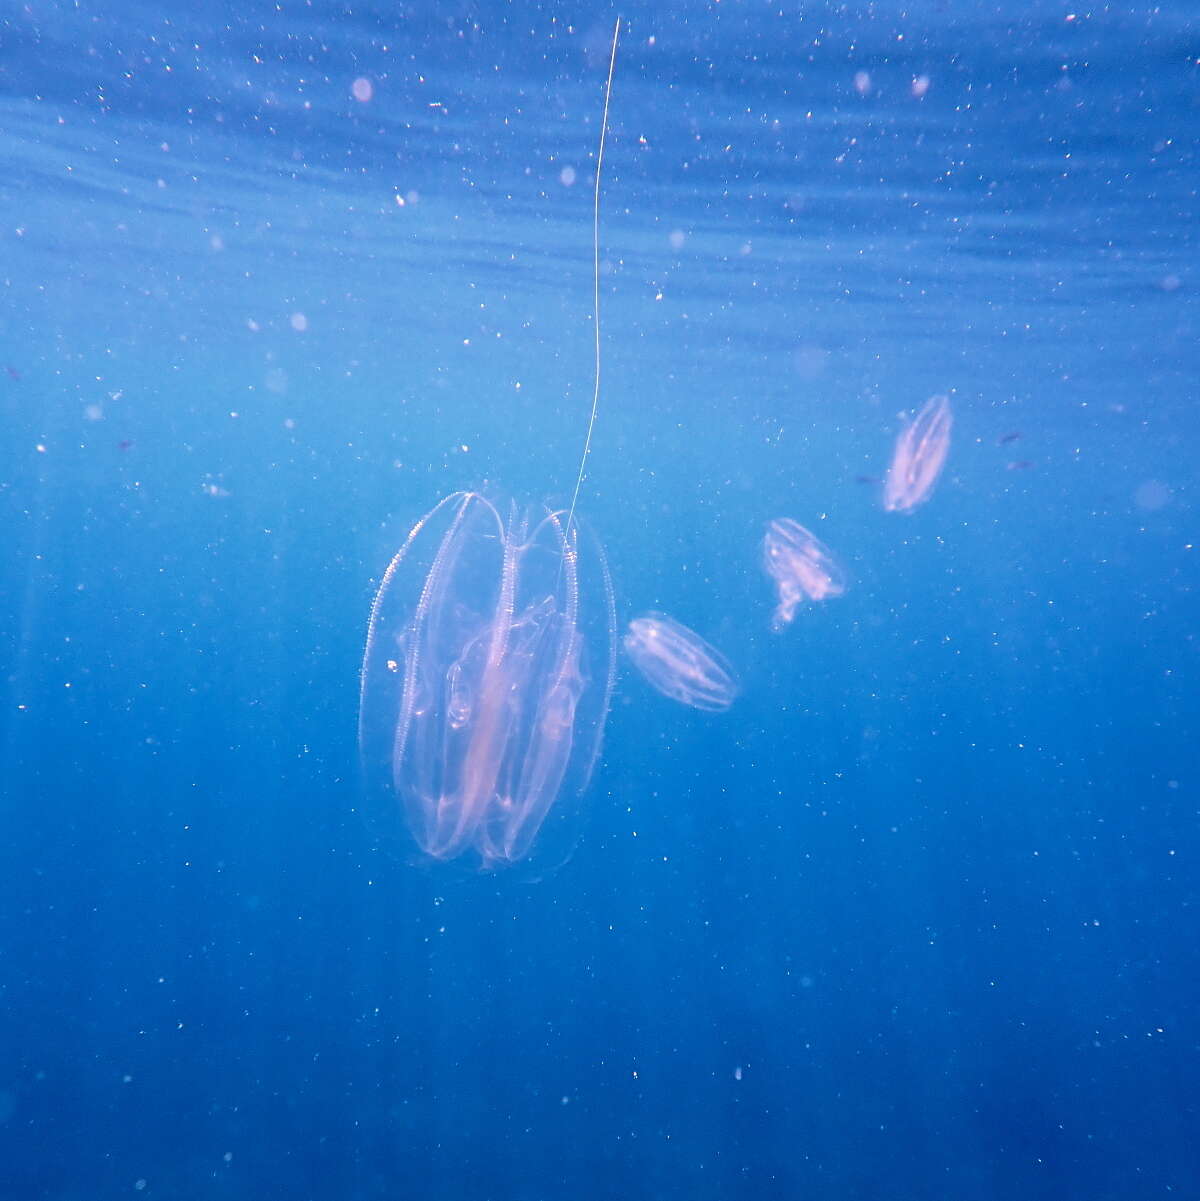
point(918, 917)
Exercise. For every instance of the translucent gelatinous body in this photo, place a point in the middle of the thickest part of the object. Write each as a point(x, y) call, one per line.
point(919, 457)
point(679, 663)
point(486, 682)
point(801, 565)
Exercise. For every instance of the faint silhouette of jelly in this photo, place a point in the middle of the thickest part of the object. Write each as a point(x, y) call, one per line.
point(919, 456)
point(486, 682)
point(801, 565)
point(679, 663)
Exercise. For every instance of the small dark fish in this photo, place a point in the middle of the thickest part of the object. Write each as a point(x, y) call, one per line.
point(1019, 465)
point(125, 444)
point(1005, 439)
point(13, 373)
point(867, 479)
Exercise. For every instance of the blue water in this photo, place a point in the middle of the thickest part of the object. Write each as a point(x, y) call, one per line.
point(916, 918)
